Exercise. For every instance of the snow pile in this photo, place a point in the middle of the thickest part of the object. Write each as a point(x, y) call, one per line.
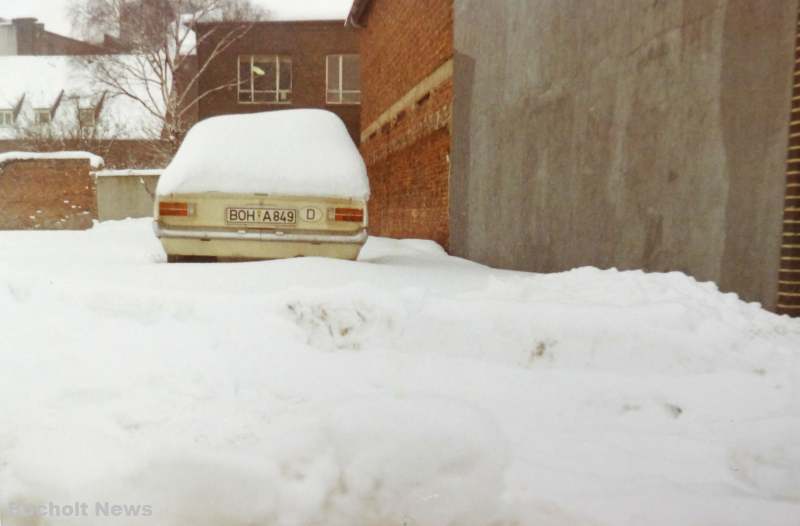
point(95, 161)
point(409, 387)
point(289, 152)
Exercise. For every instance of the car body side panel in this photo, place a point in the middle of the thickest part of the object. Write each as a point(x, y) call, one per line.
point(239, 249)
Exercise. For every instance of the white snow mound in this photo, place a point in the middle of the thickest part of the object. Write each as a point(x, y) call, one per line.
point(406, 388)
point(290, 152)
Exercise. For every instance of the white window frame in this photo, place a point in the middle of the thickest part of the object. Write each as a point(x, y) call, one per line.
point(6, 118)
point(282, 96)
point(38, 112)
point(339, 91)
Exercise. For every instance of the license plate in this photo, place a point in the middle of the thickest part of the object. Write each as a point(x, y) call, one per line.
point(260, 216)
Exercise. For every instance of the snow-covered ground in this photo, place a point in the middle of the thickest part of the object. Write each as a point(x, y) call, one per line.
point(408, 388)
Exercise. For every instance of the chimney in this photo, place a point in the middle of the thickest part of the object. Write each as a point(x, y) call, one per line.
point(28, 31)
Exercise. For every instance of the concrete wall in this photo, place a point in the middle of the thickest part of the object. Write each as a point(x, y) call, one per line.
point(125, 194)
point(8, 39)
point(630, 133)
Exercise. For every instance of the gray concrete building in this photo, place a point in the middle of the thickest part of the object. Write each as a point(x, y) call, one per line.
point(624, 133)
point(8, 38)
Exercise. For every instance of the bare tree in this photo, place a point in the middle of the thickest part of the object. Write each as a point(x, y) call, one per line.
point(100, 132)
point(158, 66)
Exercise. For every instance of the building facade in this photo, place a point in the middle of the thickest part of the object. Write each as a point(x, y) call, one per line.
point(26, 36)
point(635, 134)
point(407, 91)
point(789, 271)
point(279, 65)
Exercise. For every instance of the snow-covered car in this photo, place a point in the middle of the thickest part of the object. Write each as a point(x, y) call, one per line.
point(264, 185)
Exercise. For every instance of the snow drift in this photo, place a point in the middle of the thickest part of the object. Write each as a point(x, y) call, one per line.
point(408, 388)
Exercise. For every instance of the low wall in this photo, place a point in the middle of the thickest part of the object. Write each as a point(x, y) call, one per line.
point(125, 193)
point(116, 153)
point(47, 193)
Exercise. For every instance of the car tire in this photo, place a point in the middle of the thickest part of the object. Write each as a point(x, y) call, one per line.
point(174, 258)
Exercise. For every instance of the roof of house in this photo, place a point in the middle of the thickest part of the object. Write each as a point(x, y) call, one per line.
point(63, 85)
point(357, 10)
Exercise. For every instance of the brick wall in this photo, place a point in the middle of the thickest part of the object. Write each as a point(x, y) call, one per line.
point(46, 194)
point(402, 42)
point(409, 194)
point(789, 266)
point(307, 43)
point(407, 91)
point(53, 44)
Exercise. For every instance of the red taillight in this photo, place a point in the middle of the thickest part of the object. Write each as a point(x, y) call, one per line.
point(353, 215)
point(174, 209)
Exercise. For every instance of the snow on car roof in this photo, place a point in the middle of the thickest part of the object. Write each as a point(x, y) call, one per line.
point(287, 152)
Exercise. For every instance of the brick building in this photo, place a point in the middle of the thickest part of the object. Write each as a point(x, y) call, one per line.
point(26, 36)
point(639, 135)
point(280, 65)
point(407, 89)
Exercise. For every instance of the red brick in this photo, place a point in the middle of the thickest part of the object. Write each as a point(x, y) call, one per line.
point(307, 43)
point(402, 42)
point(33, 195)
point(408, 158)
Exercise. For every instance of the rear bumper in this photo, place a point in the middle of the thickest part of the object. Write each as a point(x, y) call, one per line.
point(358, 238)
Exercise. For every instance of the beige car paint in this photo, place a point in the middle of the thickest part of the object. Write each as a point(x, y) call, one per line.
point(206, 232)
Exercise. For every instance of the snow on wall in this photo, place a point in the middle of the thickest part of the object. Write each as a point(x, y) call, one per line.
point(95, 161)
point(129, 173)
point(289, 152)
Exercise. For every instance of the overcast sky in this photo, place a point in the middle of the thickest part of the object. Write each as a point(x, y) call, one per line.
point(53, 12)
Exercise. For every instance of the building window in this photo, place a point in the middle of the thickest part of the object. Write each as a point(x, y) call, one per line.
point(6, 118)
point(265, 79)
point(86, 118)
point(343, 74)
point(42, 117)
